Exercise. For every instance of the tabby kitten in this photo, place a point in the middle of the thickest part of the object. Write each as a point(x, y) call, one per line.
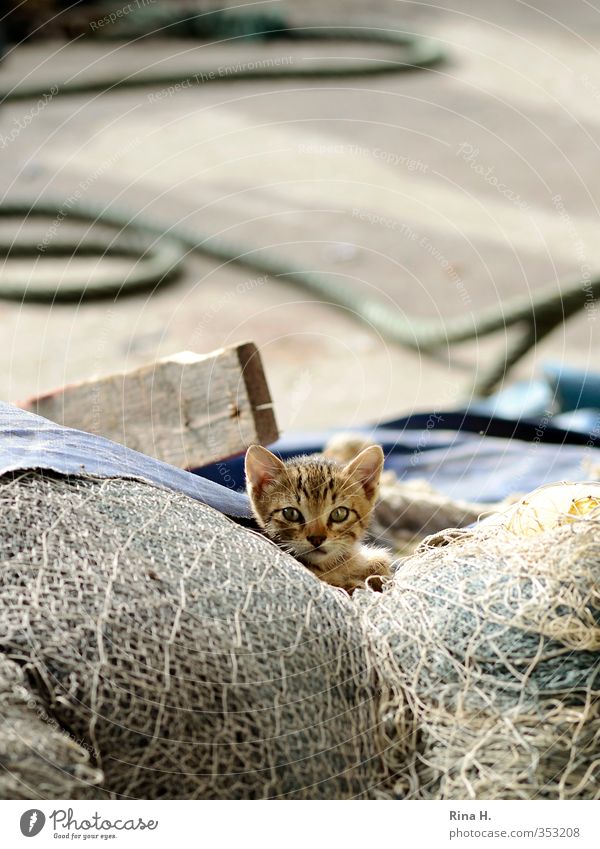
point(318, 510)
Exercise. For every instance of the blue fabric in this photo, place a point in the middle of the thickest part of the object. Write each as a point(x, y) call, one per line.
point(450, 450)
point(563, 390)
point(28, 441)
point(456, 454)
point(524, 399)
point(584, 420)
point(574, 388)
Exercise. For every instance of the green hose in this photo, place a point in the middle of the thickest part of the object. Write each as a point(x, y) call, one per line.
point(160, 252)
point(413, 52)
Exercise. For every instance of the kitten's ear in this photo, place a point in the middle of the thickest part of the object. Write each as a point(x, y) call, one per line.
point(366, 469)
point(262, 468)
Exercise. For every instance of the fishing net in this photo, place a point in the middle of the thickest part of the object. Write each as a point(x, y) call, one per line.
point(193, 657)
point(39, 759)
point(493, 641)
point(152, 648)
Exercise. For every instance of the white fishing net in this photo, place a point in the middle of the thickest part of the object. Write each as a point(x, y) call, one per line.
point(193, 657)
point(493, 639)
point(39, 759)
point(151, 648)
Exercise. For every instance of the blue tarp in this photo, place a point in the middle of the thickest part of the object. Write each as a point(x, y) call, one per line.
point(31, 442)
point(466, 456)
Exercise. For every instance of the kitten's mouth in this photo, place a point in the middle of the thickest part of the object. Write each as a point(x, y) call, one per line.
point(315, 552)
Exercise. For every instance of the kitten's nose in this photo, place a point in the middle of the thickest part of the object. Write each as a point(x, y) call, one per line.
point(316, 541)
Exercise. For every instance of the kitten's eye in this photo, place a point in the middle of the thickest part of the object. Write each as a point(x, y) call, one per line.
point(291, 514)
point(339, 514)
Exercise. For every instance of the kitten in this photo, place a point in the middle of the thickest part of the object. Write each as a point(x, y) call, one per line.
point(318, 510)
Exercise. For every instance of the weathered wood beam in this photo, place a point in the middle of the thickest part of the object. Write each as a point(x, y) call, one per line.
point(186, 409)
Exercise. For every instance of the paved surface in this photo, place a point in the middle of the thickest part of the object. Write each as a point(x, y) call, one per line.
point(443, 191)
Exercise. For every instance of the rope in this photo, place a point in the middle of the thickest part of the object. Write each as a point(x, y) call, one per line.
point(160, 252)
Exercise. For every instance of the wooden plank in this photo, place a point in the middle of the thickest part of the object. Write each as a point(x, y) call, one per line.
point(186, 409)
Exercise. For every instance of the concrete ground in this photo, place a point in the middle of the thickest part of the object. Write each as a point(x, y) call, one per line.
point(442, 191)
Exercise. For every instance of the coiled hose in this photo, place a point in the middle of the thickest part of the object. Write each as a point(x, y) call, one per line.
point(160, 252)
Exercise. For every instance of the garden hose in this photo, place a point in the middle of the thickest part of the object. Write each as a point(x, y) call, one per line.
point(413, 52)
point(159, 251)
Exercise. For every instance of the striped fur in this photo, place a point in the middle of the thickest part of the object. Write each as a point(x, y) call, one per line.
point(317, 487)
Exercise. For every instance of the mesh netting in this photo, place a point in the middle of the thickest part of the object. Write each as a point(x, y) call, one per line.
point(493, 639)
point(195, 658)
point(39, 759)
point(152, 648)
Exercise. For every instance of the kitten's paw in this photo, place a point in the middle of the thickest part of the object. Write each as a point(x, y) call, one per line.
point(379, 567)
point(379, 561)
